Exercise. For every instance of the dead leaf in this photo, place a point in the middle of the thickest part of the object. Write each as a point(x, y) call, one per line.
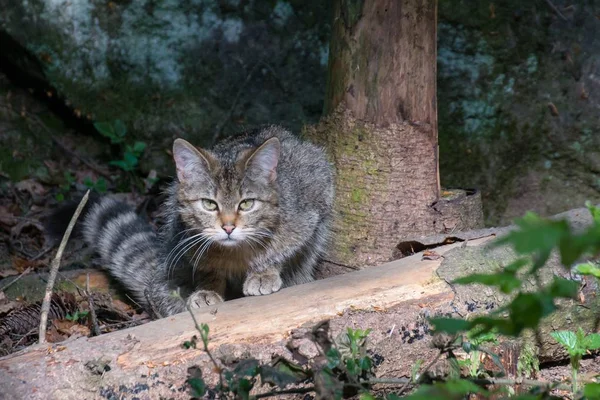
point(121, 306)
point(53, 336)
point(31, 186)
point(21, 264)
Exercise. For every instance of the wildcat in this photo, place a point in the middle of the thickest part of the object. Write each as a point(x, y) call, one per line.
point(247, 217)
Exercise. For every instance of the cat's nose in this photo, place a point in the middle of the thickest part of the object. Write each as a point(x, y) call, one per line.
point(228, 228)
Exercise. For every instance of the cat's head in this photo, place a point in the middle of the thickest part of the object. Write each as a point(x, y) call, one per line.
point(229, 199)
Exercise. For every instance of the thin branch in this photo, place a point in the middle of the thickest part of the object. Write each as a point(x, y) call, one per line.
point(556, 10)
point(54, 269)
point(212, 359)
point(95, 327)
point(282, 392)
point(342, 265)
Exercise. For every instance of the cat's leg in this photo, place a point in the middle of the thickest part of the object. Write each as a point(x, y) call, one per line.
point(289, 262)
point(210, 291)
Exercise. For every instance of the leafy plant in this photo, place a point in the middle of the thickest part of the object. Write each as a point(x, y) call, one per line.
point(116, 132)
point(347, 369)
point(76, 316)
point(99, 185)
point(65, 186)
point(577, 345)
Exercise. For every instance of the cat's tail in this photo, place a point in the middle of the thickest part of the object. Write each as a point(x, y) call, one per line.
point(126, 243)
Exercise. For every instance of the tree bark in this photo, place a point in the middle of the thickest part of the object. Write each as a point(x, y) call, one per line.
point(380, 125)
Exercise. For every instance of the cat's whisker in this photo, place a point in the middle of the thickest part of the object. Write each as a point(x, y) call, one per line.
point(186, 249)
point(197, 259)
point(181, 248)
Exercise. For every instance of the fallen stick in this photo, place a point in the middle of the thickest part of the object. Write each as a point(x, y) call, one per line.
point(54, 269)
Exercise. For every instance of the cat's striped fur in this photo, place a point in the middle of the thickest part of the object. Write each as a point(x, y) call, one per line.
point(269, 229)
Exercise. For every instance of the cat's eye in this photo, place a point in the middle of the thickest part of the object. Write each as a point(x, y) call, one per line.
point(209, 205)
point(246, 205)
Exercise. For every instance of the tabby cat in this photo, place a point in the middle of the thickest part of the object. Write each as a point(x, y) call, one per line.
point(245, 218)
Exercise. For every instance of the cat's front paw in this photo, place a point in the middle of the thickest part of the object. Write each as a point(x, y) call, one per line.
point(203, 298)
point(262, 283)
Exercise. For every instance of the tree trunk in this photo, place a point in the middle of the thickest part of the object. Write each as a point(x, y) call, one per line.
point(380, 125)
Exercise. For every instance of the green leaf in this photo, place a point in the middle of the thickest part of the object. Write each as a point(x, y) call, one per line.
point(121, 164)
point(450, 325)
point(567, 339)
point(527, 309)
point(198, 386)
point(592, 391)
point(536, 235)
point(139, 147)
point(59, 197)
point(105, 129)
point(288, 368)
point(449, 390)
point(88, 182)
point(130, 159)
point(595, 211)
point(563, 288)
point(120, 128)
point(506, 281)
point(277, 376)
point(247, 367)
point(243, 389)
point(100, 185)
point(588, 269)
point(592, 341)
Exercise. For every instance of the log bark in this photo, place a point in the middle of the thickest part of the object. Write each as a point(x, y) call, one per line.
point(393, 299)
point(380, 125)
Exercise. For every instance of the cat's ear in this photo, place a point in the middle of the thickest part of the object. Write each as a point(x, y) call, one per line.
point(191, 163)
point(262, 164)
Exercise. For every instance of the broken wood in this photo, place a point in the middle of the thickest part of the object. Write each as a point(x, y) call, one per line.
point(393, 299)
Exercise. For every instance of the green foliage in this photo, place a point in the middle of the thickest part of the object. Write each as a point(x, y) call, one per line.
point(99, 185)
point(76, 316)
point(65, 186)
point(116, 132)
point(588, 269)
point(453, 389)
point(577, 345)
point(347, 369)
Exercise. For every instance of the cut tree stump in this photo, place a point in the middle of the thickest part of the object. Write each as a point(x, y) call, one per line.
point(393, 300)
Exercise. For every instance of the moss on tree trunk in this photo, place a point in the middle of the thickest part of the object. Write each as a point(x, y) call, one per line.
point(380, 125)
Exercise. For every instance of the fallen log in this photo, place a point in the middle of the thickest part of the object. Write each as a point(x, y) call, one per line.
point(393, 300)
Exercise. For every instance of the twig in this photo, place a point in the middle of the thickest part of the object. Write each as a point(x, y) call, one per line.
point(341, 265)
point(556, 10)
point(286, 391)
point(42, 253)
point(16, 279)
point(212, 359)
point(54, 269)
point(95, 327)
